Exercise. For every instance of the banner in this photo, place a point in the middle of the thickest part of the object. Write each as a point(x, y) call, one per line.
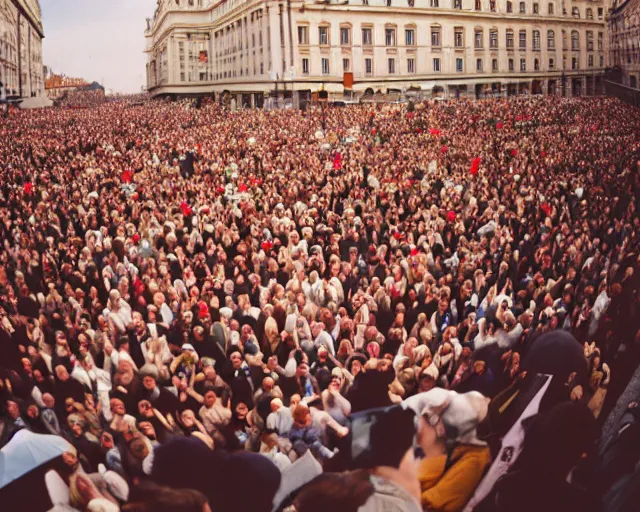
point(204, 56)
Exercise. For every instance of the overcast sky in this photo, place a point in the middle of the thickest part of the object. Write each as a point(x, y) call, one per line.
point(101, 40)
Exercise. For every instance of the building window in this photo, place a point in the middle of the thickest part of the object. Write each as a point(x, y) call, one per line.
point(494, 65)
point(523, 40)
point(536, 8)
point(509, 38)
point(590, 61)
point(391, 66)
point(589, 40)
point(182, 77)
point(345, 36)
point(479, 65)
point(390, 36)
point(411, 65)
point(368, 66)
point(551, 40)
point(436, 65)
point(509, 6)
point(523, 8)
point(536, 40)
point(575, 41)
point(435, 36)
point(600, 12)
point(551, 9)
point(410, 37)
point(367, 36)
point(458, 36)
point(323, 36)
point(589, 13)
point(434, 3)
point(478, 5)
point(536, 65)
point(305, 66)
point(325, 66)
point(346, 65)
point(552, 64)
point(493, 39)
point(303, 35)
point(574, 63)
point(600, 41)
point(459, 66)
point(511, 65)
point(457, 4)
point(575, 12)
point(478, 39)
point(601, 61)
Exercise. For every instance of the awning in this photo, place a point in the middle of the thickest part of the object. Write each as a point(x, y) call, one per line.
point(40, 102)
point(427, 86)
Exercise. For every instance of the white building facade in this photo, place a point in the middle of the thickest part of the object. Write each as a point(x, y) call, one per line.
point(21, 34)
point(251, 49)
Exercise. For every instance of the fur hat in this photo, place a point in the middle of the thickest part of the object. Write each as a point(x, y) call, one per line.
point(149, 370)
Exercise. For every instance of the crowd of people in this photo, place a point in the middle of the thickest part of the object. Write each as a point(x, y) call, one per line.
point(204, 303)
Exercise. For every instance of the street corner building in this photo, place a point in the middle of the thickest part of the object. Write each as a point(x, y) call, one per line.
point(21, 34)
point(245, 51)
point(624, 35)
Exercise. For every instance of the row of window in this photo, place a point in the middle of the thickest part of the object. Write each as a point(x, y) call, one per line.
point(522, 7)
point(390, 38)
point(411, 65)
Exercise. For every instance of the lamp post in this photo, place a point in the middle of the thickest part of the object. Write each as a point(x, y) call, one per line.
point(323, 95)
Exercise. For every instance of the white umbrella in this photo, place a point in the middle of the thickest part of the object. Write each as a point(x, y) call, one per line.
point(26, 451)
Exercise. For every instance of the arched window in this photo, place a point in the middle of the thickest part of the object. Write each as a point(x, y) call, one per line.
point(536, 65)
point(575, 12)
point(551, 8)
point(551, 40)
point(509, 6)
point(575, 40)
point(535, 39)
point(589, 13)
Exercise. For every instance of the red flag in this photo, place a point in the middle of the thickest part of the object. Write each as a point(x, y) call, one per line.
point(546, 208)
point(434, 131)
point(475, 165)
point(499, 125)
point(373, 131)
point(28, 187)
point(514, 152)
point(127, 176)
point(419, 131)
point(519, 118)
point(443, 149)
point(451, 216)
point(242, 188)
point(186, 209)
point(543, 154)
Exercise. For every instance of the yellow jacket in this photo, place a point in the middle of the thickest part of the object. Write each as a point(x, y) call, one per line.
point(449, 491)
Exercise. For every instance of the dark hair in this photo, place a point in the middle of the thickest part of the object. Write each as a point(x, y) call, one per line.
point(150, 497)
point(345, 492)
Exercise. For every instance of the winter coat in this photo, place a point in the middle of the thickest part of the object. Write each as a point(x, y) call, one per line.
point(448, 489)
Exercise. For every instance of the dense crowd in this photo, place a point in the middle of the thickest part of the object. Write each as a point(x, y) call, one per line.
point(200, 300)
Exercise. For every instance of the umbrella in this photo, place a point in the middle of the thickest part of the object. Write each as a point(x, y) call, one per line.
point(26, 451)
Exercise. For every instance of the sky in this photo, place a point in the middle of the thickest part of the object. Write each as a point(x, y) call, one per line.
point(98, 40)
